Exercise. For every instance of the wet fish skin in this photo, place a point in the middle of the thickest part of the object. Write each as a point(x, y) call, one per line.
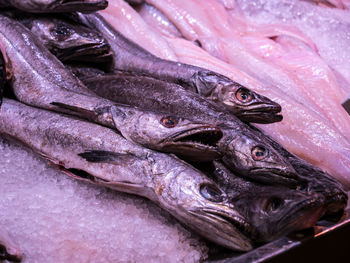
point(67, 40)
point(238, 139)
point(9, 251)
point(129, 56)
point(272, 211)
point(55, 6)
point(97, 154)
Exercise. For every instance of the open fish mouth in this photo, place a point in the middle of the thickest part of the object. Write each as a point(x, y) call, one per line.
point(299, 216)
point(236, 229)
point(199, 143)
point(305, 214)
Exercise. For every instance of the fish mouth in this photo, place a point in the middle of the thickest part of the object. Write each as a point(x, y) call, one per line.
point(93, 52)
point(305, 214)
point(263, 114)
point(80, 5)
point(300, 216)
point(233, 230)
point(275, 176)
point(336, 204)
point(198, 143)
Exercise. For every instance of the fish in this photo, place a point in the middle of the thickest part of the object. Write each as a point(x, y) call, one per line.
point(9, 250)
point(242, 151)
point(67, 40)
point(129, 56)
point(272, 211)
point(99, 155)
point(54, 6)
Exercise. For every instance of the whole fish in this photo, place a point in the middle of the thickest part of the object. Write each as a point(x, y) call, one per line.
point(244, 152)
point(97, 154)
point(9, 251)
point(54, 6)
point(129, 56)
point(272, 211)
point(67, 40)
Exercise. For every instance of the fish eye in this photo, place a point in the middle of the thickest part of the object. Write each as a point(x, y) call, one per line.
point(273, 204)
point(61, 32)
point(169, 121)
point(211, 193)
point(244, 95)
point(259, 153)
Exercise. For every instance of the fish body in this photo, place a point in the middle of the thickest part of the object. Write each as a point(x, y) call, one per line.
point(129, 56)
point(239, 145)
point(98, 155)
point(54, 6)
point(9, 251)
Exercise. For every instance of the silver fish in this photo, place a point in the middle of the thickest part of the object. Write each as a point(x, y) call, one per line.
point(54, 6)
point(97, 154)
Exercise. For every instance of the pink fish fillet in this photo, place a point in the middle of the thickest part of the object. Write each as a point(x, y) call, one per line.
point(158, 21)
point(129, 23)
point(314, 79)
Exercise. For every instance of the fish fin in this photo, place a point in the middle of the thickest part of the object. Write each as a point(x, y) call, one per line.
point(71, 108)
point(106, 156)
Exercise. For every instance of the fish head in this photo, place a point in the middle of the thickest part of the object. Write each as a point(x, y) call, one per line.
point(183, 137)
point(246, 104)
point(274, 212)
point(199, 202)
point(69, 41)
point(51, 6)
point(256, 160)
